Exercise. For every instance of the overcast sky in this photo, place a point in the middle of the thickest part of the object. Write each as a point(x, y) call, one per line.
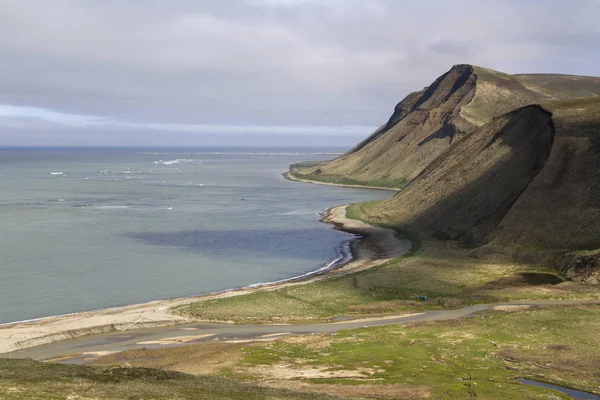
point(258, 72)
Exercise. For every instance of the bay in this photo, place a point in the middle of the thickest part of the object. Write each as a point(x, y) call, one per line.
point(84, 229)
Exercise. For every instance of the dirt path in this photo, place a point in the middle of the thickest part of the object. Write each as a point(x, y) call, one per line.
point(377, 246)
point(90, 347)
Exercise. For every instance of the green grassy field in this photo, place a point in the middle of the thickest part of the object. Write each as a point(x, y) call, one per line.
point(442, 271)
point(478, 357)
point(306, 170)
point(24, 380)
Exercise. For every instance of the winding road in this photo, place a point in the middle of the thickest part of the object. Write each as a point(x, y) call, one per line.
point(86, 348)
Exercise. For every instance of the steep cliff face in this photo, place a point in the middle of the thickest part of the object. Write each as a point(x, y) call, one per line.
point(485, 165)
point(561, 207)
point(422, 125)
point(469, 188)
point(524, 186)
point(428, 122)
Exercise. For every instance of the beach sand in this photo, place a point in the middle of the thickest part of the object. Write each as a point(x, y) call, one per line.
point(376, 246)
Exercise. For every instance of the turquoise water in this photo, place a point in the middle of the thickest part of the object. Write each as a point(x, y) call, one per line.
point(85, 229)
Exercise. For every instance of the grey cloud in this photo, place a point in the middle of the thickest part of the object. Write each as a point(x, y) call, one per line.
point(272, 62)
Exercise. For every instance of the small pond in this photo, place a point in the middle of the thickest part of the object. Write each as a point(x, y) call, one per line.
point(576, 394)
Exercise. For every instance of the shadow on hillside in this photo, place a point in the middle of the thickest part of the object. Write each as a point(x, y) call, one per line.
point(469, 212)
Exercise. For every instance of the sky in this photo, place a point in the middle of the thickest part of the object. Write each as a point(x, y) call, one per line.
point(258, 72)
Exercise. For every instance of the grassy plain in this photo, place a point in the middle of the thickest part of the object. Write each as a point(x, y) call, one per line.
point(478, 357)
point(25, 380)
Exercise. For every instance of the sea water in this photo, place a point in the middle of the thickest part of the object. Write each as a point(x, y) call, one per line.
point(83, 229)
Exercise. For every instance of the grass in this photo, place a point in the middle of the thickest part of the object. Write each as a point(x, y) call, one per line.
point(25, 379)
point(480, 357)
point(306, 164)
point(359, 211)
point(306, 170)
point(442, 271)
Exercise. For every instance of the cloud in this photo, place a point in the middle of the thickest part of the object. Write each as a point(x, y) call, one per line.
point(265, 63)
point(31, 117)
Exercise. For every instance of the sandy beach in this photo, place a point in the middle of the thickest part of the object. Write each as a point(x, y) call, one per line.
point(376, 246)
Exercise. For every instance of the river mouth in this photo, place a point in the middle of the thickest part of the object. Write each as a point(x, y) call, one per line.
point(576, 394)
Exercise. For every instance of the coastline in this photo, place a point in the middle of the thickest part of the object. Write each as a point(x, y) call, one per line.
point(373, 246)
point(290, 177)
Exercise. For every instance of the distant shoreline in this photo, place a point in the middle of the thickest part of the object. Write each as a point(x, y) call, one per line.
point(373, 246)
point(290, 177)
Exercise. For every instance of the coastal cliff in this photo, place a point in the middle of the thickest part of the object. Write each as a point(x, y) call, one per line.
point(506, 165)
point(427, 122)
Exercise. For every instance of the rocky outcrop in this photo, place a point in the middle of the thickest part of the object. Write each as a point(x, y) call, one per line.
point(580, 268)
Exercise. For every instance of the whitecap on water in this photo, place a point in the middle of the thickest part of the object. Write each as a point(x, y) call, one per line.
point(178, 161)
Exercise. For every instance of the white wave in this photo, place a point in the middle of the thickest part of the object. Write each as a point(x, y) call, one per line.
point(178, 161)
point(298, 212)
point(110, 207)
point(57, 173)
point(343, 257)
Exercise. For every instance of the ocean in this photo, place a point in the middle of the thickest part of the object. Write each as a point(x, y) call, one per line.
point(83, 229)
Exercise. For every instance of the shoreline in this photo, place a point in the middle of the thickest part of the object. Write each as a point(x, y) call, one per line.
point(290, 177)
point(342, 259)
point(373, 246)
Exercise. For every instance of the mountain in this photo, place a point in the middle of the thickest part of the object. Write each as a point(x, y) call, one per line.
point(529, 178)
point(428, 122)
point(506, 165)
point(523, 187)
point(465, 192)
point(561, 206)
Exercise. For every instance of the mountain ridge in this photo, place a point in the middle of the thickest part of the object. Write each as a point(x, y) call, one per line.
point(426, 122)
point(505, 165)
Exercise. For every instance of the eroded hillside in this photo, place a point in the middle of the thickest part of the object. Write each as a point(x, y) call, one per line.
point(467, 190)
point(525, 183)
point(428, 122)
point(561, 207)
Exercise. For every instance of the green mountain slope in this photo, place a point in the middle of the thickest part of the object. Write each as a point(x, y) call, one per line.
point(467, 190)
point(526, 185)
point(428, 122)
point(561, 207)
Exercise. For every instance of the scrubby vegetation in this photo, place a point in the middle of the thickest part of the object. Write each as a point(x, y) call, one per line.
point(25, 379)
point(477, 357)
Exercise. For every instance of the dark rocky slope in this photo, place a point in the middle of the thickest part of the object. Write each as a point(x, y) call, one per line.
point(561, 207)
point(525, 186)
point(468, 189)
